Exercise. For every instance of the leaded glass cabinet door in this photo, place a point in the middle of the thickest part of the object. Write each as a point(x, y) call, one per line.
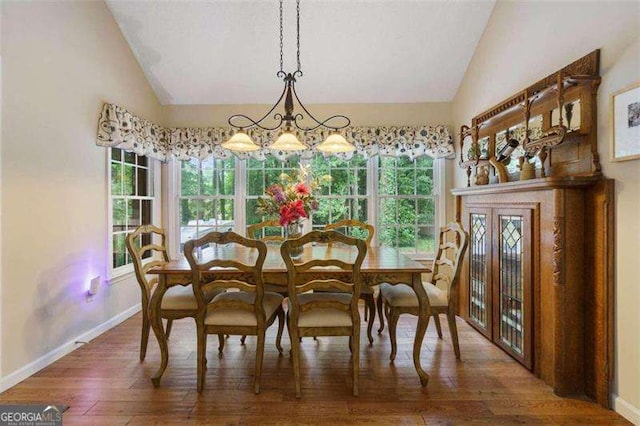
point(512, 282)
point(480, 269)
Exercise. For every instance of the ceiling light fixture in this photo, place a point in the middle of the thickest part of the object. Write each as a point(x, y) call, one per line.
point(288, 122)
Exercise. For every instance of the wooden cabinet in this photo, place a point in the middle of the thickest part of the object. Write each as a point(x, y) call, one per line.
point(537, 276)
point(500, 277)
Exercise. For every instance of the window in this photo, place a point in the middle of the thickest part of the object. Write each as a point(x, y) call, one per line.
point(131, 185)
point(346, 196)
point(394, 194)
point(406, 215)
point(207, 197)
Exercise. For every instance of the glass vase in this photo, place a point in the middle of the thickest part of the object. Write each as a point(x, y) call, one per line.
point(294, 230)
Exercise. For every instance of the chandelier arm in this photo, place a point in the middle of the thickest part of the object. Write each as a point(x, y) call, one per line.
point(253, 122)
point(257, 123)
point(319, 123)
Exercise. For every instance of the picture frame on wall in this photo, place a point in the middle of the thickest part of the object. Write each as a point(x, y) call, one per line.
point(625, 113)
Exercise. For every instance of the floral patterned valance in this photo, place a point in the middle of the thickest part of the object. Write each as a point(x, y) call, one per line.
point(120, 128)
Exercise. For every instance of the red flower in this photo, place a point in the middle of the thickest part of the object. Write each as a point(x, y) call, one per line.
point(292, 212)
point(302, 189)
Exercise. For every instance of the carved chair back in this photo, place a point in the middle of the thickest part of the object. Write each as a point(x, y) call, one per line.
point(452, 244)
point(257, 231)
point(300, 280)
point(351, 223)
point(140, 242)
point(204, 276)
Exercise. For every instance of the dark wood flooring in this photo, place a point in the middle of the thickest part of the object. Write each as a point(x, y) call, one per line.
point(103, 383)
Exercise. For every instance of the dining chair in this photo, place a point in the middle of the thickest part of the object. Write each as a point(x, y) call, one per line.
point(325, 313)
point(248, 311)
point(178, 302)
point(368, 294)
point(401, 299)
point(259, 231)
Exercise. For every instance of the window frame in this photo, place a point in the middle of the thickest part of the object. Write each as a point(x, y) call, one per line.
point(154, 178)
point(372, 196)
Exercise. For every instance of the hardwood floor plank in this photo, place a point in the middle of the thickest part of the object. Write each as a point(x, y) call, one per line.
point(103, 383)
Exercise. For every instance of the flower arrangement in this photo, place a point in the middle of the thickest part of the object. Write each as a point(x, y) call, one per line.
point(292, 198)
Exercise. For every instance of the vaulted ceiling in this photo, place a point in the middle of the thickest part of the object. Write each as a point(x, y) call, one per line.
point(227, 52)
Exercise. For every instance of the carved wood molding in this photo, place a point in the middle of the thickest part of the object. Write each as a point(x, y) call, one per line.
point(558, 251)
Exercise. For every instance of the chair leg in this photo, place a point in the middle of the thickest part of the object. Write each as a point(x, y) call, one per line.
point(453, 329)
point(259, 356)
point(436, 319)
point(366, 310)
point(380, 314)
point(242, 339)
point(220, 343)
point(295, 353)
point(280, 329)
point(355, 356)
point(371, 303)
point(393, 322)
point(144, 339)
point(167, 331)
point(202, 348)
point(351, 344)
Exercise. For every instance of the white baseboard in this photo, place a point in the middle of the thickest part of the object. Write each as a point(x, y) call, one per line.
point(626, 410)
point(64, 349)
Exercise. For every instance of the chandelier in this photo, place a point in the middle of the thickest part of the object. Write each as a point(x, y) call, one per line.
point(288, 122)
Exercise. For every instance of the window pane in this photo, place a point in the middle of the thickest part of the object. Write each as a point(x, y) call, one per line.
point(226, 182)
point(255, 183)
point(188, 212)
point(146, 213)
point(116, 179)
point(362, 181)
point(142, 160)
point(405, 179)
point(129, 180)
point(119, 215)
point(387, 236)
point(189, 178)
point(339, 183)
point(116, 154)
point(424, 182)
point(142, 182)
point(426, 239)
point(207, 178)
point(406, 211)
point(130, 157)
point(252, 216)
point(426, 211)
point(407, 238)
point(387, 211)
point(119, 250)
point(133, 214)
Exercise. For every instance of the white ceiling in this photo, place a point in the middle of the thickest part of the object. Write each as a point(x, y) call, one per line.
point(227, 52)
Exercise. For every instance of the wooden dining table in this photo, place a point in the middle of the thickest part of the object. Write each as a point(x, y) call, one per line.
point(381, 265)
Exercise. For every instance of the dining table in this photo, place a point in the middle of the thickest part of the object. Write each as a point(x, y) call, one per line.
point(381, 265)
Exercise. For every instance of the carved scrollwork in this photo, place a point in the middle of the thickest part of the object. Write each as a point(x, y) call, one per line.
point(558, 251)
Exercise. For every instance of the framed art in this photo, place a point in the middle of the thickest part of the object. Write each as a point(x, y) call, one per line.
point(625, 113)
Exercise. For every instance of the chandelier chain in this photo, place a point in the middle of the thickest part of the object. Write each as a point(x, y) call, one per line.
point(281, 40)
point(298, 33)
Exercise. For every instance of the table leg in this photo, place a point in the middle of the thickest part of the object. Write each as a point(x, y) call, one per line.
point(424, 313)
point(156, 323)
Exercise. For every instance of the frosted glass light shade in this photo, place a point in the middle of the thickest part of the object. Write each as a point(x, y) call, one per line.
point(240, 141)
point(287, 141)
point(335, 142)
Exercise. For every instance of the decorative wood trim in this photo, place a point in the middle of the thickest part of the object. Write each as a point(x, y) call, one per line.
point(558, 251)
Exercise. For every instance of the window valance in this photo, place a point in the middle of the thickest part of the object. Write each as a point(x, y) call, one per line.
point(120, 128)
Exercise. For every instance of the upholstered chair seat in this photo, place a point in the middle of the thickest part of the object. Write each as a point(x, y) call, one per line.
point(402, 295)
point(182, 297)
point(240, 317)
point(327, 317)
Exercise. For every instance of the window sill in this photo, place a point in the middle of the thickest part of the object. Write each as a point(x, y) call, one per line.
point(121, 276)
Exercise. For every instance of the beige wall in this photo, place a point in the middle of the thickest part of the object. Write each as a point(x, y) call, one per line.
point(61, 61)
point(360, 114)
point(543, 37)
